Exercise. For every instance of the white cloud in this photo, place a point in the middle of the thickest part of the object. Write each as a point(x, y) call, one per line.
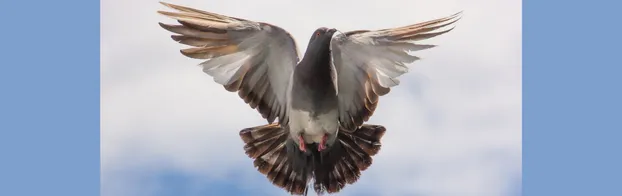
point(454, 125)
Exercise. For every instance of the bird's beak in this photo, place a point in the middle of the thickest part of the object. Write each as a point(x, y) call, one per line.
point(331, 31)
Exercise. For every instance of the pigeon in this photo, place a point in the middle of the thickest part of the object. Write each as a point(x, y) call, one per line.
point(316, 106)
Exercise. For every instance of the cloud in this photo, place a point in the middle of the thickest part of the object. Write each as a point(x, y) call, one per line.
point(454, 124)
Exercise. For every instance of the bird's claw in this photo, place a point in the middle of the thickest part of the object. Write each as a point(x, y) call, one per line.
point(322, 145)
point(301, 144)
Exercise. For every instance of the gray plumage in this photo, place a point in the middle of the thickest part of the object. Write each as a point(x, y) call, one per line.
point(320, 101)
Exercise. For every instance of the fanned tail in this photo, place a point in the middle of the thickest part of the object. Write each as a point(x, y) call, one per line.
point(292, 170)
point(266, 144)
point(347, 158)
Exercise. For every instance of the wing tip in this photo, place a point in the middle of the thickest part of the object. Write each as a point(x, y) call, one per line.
point(458, 14)
point(168, 14)
point(455, 18)
point(451, 20)
point(170, 5)
point(167, 26)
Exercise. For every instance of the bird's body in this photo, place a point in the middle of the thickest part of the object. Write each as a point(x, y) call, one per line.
point(313, 98)
point(321, 101)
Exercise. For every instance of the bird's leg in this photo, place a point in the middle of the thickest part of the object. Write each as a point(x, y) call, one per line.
point(322, 145)
point(301, 144)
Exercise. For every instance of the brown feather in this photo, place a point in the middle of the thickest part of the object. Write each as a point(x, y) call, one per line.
point(353, 157)
point(422, 27)
point(266, 145)
point(198, 42)
point(417, 37)
point(209, 52)
point(192, 10)
point(184, 30)
point(197, 18)
point(219, 34)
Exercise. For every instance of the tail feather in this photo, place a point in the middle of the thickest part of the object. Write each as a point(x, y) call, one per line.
point(356, 153)
point(266, 145)
point(260, 139)
point(345, 161)
point(368, 138)
point(291, 170)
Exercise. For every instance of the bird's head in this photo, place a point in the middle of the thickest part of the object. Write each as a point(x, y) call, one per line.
point(320, 40)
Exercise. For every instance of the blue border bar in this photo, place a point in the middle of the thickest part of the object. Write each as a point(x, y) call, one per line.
point(49, 102)
point(572, 89)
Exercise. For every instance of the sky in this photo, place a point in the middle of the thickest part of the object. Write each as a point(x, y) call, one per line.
point(453, 124)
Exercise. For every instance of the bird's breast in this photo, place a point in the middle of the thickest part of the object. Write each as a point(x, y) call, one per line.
point(312, 92)
point(311, 125)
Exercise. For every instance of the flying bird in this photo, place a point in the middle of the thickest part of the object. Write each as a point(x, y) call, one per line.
point(315, 105)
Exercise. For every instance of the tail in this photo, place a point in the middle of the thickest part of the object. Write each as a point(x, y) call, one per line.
point(291, 170)
point(347, 158)
point(266, 144)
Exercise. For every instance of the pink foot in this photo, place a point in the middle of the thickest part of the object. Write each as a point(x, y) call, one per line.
point(301, 144)
point(322, 145)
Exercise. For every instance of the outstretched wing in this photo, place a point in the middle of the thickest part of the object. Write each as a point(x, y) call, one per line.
point(368, 64)
point(252, 58)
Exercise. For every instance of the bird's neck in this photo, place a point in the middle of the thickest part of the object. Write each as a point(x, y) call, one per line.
point(315, 64)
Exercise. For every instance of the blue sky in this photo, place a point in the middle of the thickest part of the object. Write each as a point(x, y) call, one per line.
point(453, 125)
point(175, 183)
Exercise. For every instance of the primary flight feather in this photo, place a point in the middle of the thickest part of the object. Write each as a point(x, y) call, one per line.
point(320, 101)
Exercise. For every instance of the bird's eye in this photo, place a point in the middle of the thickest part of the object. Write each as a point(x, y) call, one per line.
point(317, 33)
